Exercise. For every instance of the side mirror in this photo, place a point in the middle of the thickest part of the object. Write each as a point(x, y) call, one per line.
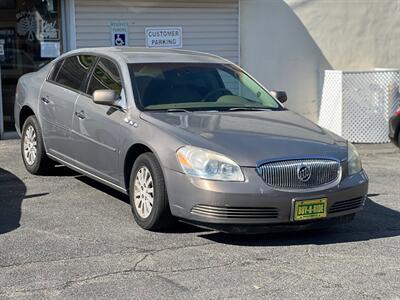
point(105, 97)
point(280, 95)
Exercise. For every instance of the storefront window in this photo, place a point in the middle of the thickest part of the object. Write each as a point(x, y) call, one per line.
point(30, 36)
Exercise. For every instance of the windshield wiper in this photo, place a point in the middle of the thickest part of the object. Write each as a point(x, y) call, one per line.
point(247, 109)
point(177, 110)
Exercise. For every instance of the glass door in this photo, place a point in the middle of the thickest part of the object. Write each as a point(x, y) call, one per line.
point(30, 36)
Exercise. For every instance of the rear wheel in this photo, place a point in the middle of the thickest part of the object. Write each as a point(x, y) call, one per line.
point(148, 195)
point(32, 148)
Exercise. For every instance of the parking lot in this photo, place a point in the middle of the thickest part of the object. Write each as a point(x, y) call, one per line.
point(66, 236)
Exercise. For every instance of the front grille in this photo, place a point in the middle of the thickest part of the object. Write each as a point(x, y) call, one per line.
point(236, 212)
point(298, 174)
point(346, 205)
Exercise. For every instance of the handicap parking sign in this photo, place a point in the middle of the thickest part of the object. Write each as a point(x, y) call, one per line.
point(119, 39)
point(119, 34)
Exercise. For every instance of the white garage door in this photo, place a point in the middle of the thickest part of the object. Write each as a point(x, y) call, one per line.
point(209, 26)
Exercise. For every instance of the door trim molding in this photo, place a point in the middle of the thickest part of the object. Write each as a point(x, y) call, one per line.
point(88, 174)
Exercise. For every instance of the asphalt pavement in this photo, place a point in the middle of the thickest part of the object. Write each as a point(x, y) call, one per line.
point(66, 236)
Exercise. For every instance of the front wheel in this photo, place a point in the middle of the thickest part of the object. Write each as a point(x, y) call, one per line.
point(32, 148)
point(147, 193)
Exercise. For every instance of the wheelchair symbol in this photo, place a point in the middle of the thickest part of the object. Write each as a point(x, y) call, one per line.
point(119, 39)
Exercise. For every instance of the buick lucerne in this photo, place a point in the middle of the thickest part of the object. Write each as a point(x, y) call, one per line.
point(188, 136)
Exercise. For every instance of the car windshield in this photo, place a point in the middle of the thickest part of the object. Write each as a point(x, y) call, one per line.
point(197, 86)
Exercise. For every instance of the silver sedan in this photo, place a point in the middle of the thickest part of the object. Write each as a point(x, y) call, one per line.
point(189, 136)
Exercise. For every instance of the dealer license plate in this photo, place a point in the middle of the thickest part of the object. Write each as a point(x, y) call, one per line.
point(310, 209)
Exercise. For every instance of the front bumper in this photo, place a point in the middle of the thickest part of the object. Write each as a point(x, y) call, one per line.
point(253, 202)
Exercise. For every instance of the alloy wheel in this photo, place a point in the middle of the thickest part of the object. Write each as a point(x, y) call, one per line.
point(143, 192)
point(30, 145)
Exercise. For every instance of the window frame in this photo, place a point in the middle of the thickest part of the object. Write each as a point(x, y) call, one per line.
point(85, 83)
point(53, 69)
point(64, 58)
point(89, 78)
point(124, 99)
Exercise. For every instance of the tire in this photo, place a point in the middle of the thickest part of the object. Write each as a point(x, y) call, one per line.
point(150, 209)
point(32, 148)
point(398, 139)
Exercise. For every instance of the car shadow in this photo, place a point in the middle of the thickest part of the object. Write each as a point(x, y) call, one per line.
point(62, 171)
point(374, 222)
point(12, 193)
point(177, 227)
point(104, 188)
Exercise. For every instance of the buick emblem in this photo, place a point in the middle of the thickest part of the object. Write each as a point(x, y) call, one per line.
point(303, 173)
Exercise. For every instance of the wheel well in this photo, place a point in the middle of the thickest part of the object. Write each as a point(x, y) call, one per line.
point(26, 111)
point(130, 158)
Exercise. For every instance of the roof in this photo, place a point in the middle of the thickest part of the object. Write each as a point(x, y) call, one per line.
point(151, 55)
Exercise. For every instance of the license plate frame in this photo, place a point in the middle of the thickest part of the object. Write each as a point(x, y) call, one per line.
point(309, 209)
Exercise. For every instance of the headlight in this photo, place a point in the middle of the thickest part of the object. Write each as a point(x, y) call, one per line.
point(353, 160)
point(208, 164)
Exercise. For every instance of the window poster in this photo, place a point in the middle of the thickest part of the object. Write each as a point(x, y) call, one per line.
point(49, 49)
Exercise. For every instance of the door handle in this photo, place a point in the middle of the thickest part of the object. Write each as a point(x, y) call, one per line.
point(46, 99)
point(81, 115)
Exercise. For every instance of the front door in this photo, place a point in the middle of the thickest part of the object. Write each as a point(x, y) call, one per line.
point(96, 128)
point(30, 36)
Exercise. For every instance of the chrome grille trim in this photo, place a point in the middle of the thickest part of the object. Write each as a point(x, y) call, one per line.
point(282, 175)
point(235, 212)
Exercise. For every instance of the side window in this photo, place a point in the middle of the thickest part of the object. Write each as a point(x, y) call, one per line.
point(105, 77)
point(74, 71)
point(56, 70)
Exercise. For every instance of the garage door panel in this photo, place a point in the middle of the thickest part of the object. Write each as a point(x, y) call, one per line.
point(209, 26)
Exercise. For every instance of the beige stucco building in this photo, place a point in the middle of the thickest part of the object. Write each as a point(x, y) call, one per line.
point(288, 44)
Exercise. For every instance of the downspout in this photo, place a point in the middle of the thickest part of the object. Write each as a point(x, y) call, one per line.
point(68, 25)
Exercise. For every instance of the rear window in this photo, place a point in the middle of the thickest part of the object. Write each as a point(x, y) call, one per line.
point(74, 71)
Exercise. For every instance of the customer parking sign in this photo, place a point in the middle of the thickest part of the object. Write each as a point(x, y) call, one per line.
point(119, 34)
point(164, 37)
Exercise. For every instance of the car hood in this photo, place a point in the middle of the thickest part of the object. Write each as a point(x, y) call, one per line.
point(252, 136)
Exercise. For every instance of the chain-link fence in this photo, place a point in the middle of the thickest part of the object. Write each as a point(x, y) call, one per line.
point(358, 105)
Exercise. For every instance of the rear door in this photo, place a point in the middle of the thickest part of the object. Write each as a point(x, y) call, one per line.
point(57, 99)
point(96, 128)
